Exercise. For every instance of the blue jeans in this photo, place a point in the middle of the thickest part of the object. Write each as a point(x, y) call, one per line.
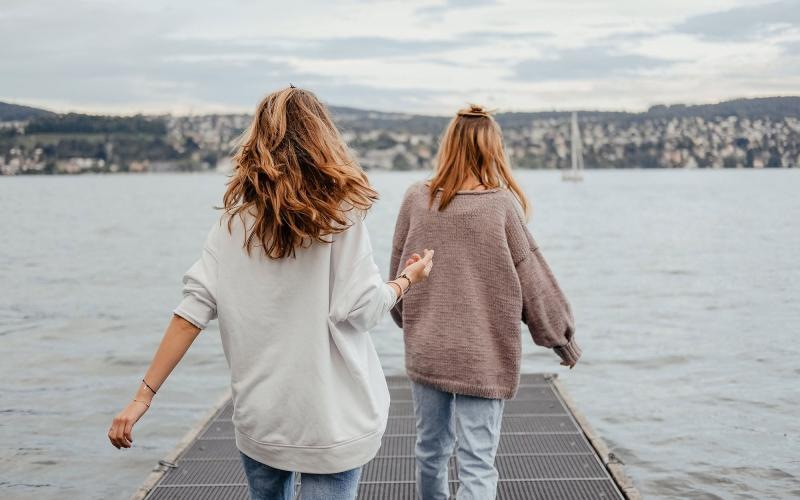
point(268, 483)
point(443, 416)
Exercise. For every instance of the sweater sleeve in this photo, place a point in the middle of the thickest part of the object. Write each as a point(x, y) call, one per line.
point(398, 243)
point(545, 309)
point(199, 305)
point(359, 296)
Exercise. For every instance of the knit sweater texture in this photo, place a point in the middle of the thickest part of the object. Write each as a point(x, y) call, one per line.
point(461, 326)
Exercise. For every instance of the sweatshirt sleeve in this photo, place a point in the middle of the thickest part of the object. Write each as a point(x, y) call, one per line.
point(359, 296)
point(545, 309)
point(398, 244)
point(199, 305)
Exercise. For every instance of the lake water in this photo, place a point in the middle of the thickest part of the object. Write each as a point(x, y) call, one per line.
point(684, 286)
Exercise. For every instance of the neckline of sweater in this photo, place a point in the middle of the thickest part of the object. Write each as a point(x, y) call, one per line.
point(473, 191)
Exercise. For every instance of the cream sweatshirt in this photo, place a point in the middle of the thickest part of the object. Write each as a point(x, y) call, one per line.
point(308, 390)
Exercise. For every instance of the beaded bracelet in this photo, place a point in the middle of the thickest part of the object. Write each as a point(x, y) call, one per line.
point(405, 277)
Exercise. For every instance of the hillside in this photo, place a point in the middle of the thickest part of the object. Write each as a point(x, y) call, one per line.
point(15, 112)
point(773, 107)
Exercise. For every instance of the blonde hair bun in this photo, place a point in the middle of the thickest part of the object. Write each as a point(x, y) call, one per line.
point(475, 110)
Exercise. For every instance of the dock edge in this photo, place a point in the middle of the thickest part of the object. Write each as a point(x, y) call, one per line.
point(615, 467)
point(159, 470)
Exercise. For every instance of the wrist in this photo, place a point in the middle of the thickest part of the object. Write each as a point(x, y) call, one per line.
point(569, 352)
point(149, 387)
point(144, 402)
point(404, 276)
point(396, 288)
point(144, 393)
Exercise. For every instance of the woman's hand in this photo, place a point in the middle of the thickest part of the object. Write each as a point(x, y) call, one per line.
point(179, 336)
point(121, 432)
point(417, 267)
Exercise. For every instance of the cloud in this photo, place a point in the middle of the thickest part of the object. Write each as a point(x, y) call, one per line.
point(151, 56)
point(377, 47)
point(372, 47)
point(437, 12)
point(790, 62)
point(496, 35)
point(743, 22)
point(792, 48)
point(586, 63)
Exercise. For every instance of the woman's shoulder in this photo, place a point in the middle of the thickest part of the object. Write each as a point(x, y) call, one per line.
point(512, 203)
point(416, 192)
point(230, 227)
point(215, 235)
point(418, 188)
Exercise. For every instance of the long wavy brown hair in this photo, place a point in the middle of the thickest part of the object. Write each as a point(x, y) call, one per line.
point(293, 172)
point(472, 144)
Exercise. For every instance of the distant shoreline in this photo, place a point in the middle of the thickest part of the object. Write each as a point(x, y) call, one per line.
point(390, 172)
point(745, 133)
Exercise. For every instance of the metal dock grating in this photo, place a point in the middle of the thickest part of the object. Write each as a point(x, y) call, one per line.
point(547, 451)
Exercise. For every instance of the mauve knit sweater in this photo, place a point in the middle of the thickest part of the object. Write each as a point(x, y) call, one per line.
point(462, 325)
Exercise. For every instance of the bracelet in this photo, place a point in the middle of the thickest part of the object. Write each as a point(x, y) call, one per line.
point(142, 401)
point(399, 289)
point(404, 276)
point(148, 386)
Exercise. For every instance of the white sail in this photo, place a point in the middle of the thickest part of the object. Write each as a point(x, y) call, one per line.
point(576, 172)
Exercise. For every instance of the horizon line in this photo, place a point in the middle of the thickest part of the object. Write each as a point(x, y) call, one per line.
point(240, 111)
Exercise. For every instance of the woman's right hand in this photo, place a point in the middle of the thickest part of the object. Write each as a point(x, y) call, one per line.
point(419, 267)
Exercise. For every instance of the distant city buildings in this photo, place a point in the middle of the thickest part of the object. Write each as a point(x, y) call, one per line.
point(687, 142)
point(403, 142)
point(729, 142)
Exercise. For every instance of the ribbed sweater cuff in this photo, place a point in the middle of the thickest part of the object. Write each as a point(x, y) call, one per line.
point(570, 352)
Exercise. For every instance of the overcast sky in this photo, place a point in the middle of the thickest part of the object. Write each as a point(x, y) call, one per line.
point(429, 56)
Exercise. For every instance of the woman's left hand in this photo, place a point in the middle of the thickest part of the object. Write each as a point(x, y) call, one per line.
point(414, 258)
point(418, 268)
point(121, 432)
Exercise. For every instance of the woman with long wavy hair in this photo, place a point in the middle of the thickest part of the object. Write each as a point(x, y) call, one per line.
point(288, 271)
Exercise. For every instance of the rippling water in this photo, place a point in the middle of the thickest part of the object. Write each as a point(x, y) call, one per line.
point(684, 285)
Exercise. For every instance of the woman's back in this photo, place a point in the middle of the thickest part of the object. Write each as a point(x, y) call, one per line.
point(462, 326)
point(296, 351)
point(290, 274)
point(288, 270)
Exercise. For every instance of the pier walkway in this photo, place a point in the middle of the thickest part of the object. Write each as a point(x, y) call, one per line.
point(547, 451)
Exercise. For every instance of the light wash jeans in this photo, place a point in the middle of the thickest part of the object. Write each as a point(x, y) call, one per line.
point(268, 483)
point(443, 416)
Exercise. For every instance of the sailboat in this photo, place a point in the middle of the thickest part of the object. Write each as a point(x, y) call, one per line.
point(576, 172)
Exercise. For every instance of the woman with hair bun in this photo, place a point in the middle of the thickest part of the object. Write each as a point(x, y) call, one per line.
point(462, 326)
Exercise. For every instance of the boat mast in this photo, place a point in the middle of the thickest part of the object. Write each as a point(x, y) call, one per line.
point(576, 150)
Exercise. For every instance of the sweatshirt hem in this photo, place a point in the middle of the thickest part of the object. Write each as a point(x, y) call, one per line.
point(458, 387)
point(312, 459)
